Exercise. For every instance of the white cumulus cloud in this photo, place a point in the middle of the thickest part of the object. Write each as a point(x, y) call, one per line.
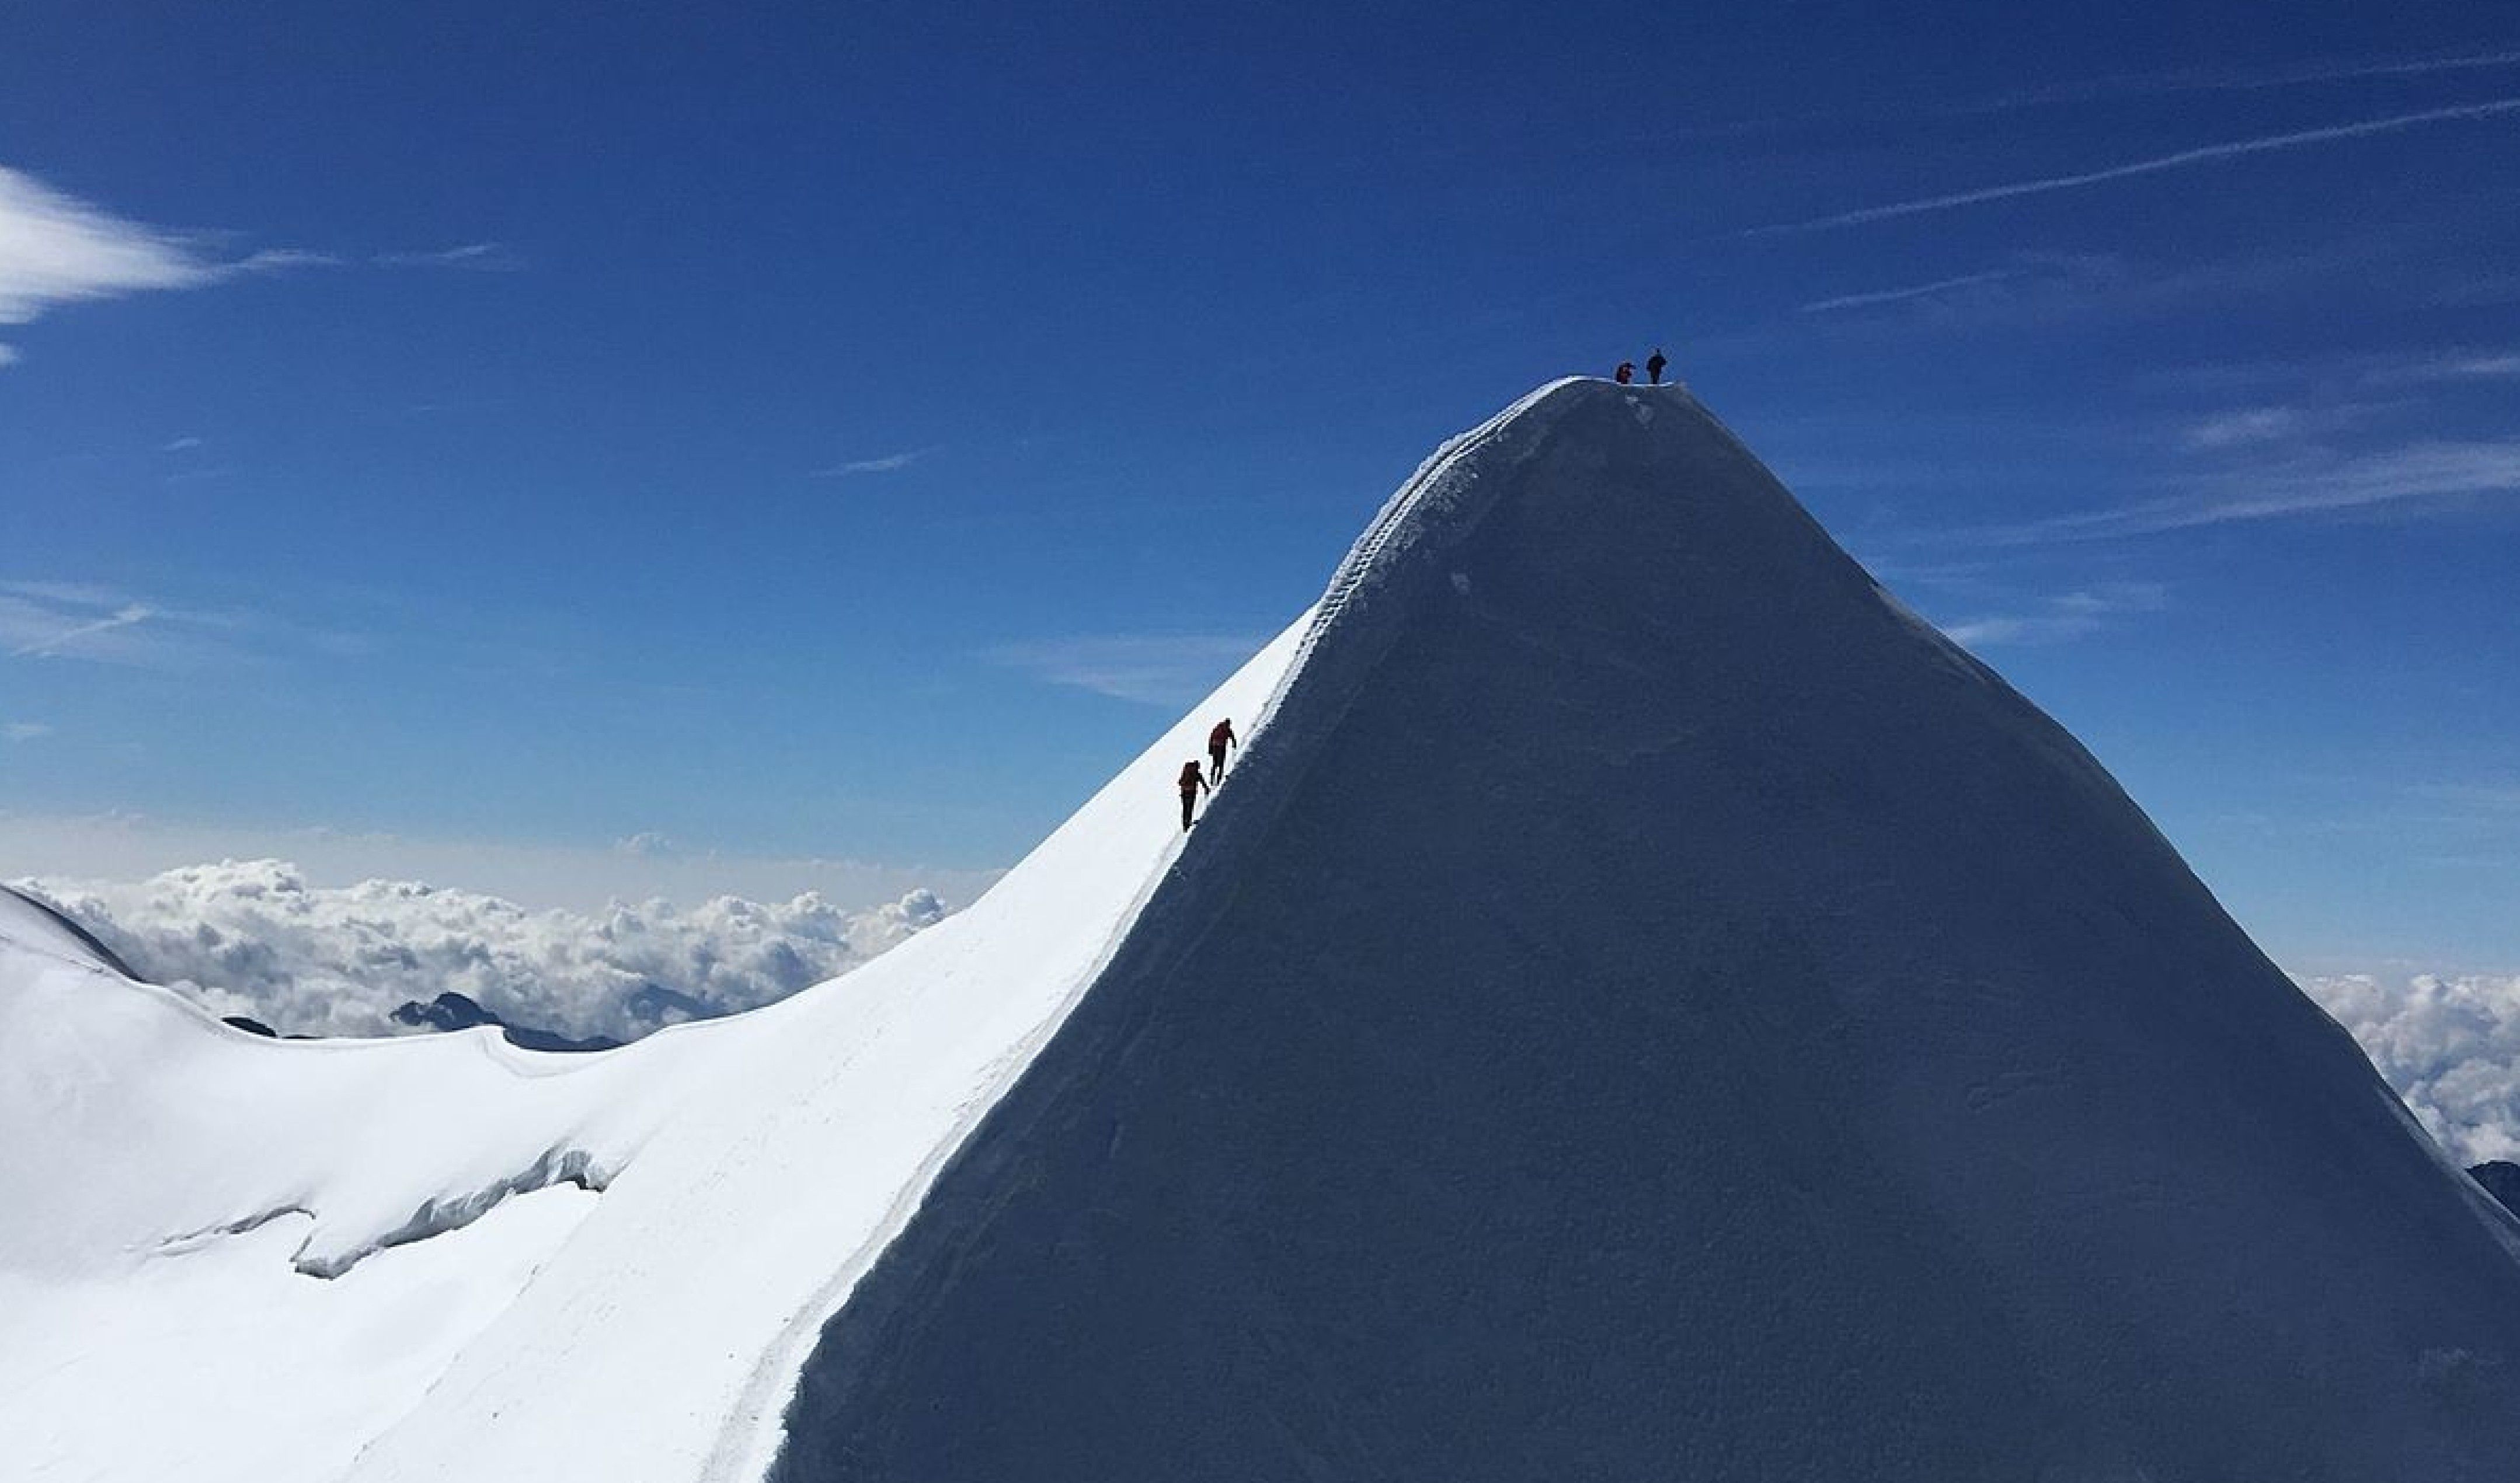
point(252, 938)
point(2450, 1047)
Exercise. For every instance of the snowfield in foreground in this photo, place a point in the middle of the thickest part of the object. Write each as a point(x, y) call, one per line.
point(1643, 1004)
point(219, 1253)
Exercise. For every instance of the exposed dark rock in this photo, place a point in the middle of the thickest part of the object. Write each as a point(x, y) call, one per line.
point(2502, 1180)
point(657, 1005)
point(455, 1011)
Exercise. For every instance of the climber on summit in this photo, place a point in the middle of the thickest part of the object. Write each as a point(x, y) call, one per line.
point(1626, 372)
point(1192, 785)
point(1219, 738)
point(1653, 366)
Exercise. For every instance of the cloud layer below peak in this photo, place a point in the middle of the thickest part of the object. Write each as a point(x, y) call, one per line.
point(2450, 1047)
point(252, 938)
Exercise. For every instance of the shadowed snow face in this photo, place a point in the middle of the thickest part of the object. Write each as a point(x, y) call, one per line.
point(252, 938)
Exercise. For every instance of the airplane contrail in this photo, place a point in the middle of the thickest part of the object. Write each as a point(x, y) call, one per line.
point(2204, 154)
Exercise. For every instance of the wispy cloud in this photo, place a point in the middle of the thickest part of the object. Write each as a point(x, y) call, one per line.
point(24, 731)
point(57, 250)
point(471, 257)
point(2147, 84)
point(75, 620)
point(2183, 159)
point(2492, 797)
point(888, 464)
point(1936, 290)
point(181, 445)
point(67, 640)
point(2422, 476)
point(2056, 619)
point(2450, 365)
point(2344, 376)
point(2295, 425)
point(272, 260)
point(2245, 426)
point(1155, 669)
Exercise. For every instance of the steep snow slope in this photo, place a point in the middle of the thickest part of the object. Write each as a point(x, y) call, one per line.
point(1644, 1006)
point(218, 1251)
point(1652, 1007)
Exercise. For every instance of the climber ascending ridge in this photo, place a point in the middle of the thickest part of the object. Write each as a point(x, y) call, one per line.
point(1192, 785)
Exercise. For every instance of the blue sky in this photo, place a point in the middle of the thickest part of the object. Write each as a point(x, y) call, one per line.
point(813, 433)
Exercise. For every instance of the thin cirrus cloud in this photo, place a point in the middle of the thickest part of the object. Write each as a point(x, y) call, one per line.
point(469, 257)
point(2453, 366)
point(889, 462)
point(1939, 289)
point(2253, 427)
point(45, 636)
point(2061, 618)
point(2421, 477)
point(2146, 85)
point(1152, 669)
point(78, 621)
point(24, 731)
point(2183, 159)
point(57, 250)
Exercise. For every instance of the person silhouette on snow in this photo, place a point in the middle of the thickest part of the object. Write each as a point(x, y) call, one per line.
point(1219, 738)
point(1192, 785)
point(1626, 372)
point(1653, 366)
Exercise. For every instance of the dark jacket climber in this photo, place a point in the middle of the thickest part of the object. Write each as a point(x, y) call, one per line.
point(1626, 372)
point(1219, 738)
point(1653, 366)
point(1192, 785)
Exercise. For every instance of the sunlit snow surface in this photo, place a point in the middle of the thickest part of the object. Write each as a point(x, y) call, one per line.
point(167, 1186)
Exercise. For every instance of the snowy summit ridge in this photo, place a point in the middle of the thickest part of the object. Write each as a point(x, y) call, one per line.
point(1644, 1005)
point(1652, 1006)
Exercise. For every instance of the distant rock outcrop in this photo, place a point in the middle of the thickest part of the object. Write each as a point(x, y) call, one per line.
point(454, 1011)
point(2502, 1180)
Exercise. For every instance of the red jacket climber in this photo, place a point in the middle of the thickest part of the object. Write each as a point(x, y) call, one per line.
point(1219, 738)
point(1626, 372)
point(1192, 785)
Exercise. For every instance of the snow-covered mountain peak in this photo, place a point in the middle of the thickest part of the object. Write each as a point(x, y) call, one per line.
point(1643, 1004)
point(1653, 1005)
